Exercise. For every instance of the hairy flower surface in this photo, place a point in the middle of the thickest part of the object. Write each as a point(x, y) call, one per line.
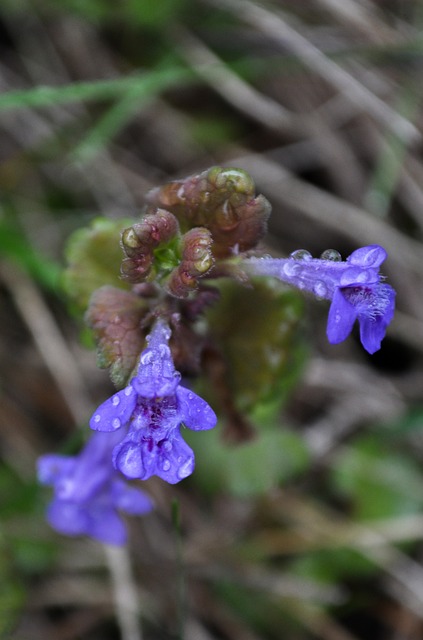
point(154, 406)
point(89, 492)
point(354, 286)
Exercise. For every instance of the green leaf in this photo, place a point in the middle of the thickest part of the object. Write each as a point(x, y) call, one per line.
point(132, 99)
point(48, 96)
point(16, 246)
point(154, 14)
point(12, 594)
point(259, 334)
point(329, 566)
point(248, 469)
point(380, 483)
point(94, 257)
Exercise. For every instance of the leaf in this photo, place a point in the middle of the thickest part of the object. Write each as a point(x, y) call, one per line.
point(251, 468)
point(380, 483)
point(94, 257)
point(258, 332)
point(45, 96)
point(115, 317)
point(14, 245)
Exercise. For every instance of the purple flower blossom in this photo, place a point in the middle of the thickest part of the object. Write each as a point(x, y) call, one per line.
point(354, 286)
point(153, 407)
point(88, 492)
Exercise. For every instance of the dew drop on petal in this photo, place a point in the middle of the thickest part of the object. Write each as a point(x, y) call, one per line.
point(331, 254)
point(301, 254)
point(166, 465)
point(116, 423)
point(128, 390)
point(320, 289)
point(115, 401)
point(97, 417)
point(147, 356)
point(185, 469)
point(291, 268)
point(167, 445)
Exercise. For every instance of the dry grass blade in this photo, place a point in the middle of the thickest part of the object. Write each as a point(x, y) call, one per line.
point(274, 26)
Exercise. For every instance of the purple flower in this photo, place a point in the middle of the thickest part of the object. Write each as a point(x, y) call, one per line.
point(153, 407)
point(88, 492)
point(354, 286)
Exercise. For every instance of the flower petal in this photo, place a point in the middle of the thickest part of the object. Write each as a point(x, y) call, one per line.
point(129, 499)
point(341, 318)
point(373, 324)
point(196, 413)
point(115, 412)
point(51, 466)
point(106, 526)
point(171, 458)
point(127, 458)
point(371, 256)
point(67, 517)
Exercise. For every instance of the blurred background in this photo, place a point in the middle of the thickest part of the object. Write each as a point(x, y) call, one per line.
point(320, 101)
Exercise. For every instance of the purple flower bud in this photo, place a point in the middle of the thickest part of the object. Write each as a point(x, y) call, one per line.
point(153, 407)
point(88, 492)
point(355, 288)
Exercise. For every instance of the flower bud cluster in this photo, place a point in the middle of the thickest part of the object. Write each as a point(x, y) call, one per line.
point(222, 200)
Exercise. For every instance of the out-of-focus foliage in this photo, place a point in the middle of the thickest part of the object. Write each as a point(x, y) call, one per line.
point(94, 256)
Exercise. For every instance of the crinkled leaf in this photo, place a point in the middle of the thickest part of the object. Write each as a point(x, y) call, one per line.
point(150, 247)
point(258, 333)
point(115, 318)
point(94, 256)
point(223, 201)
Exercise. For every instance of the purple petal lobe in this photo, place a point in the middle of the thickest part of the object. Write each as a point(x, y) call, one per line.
point(67, 518)
point(196, 412)
point(371, 256)
point(357, 276)
point(51, 466)
point(341, 318)
point(127, 459)
point(115, 412)
point(106, 526)
point(129, 499)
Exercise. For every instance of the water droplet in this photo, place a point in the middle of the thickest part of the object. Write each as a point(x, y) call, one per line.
point(115, 401)
point(128, 390)
point(167, 445)
point(320, 289)
point(331, 254)
point(166, 465)
point(116, 423)
point(291, 268)
point(147, 356)
point(186, 468)
point(97, 417)
point(190, 396)
point(301, 254)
